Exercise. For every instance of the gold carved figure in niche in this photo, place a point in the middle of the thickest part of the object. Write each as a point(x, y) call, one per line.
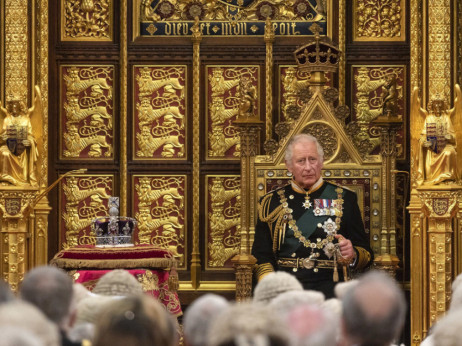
point(437, 157)
point(223, 219)
point(18, 146)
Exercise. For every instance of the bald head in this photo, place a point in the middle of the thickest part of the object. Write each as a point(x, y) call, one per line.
point(373, 310)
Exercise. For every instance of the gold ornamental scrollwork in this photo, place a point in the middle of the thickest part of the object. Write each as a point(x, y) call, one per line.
point(224, 102)
point(83, 198)
point(379, 20)
point(160, 212)
point(223, 233)
point(88, 107)
point(232, 10)
point(160, 112)
point(293, 81)
point(377, 90)
point(86, 20)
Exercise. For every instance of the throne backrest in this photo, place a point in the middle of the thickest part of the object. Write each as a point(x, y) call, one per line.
point(343, 163)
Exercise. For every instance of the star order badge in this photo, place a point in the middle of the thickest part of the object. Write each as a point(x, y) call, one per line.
point(306, 204)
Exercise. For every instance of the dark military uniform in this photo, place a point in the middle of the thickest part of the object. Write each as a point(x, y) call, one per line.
point(295, 233)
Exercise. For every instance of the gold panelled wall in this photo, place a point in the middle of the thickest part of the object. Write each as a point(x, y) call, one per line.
point(143, 97)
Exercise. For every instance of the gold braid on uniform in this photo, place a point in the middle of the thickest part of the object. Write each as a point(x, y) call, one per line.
point(275, 217)
point(364, 257)
point(263, 269)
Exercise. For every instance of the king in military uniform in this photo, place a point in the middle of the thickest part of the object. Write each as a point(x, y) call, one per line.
point(310, 228)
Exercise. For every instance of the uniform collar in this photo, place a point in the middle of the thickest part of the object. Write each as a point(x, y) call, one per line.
point(313, 188)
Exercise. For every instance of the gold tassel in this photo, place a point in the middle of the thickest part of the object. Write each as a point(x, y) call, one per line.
point(335, 278)
point(345, 273)
point(173, 280)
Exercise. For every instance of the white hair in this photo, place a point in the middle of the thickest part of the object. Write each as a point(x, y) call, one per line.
point(22, 314)
point(302, 137)
point(248, 324)
point(199, 315)
point(287, 301)
point(447, 330)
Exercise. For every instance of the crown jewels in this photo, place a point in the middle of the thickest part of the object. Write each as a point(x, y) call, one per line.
point(114, 230)
point(318, 55)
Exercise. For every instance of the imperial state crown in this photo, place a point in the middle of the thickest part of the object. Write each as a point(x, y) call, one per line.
point(114, 230)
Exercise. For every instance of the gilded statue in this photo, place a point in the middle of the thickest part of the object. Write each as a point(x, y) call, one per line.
point(18, 146)
point(437, 155)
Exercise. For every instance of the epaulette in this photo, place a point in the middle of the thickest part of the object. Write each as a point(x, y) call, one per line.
point(341, 186)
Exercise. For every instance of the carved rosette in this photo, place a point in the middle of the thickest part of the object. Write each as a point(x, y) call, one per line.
point(160, 112)
point(159, 208)
point(326, 137)
point(87, 112)
point(369, 90)
point(223, 100)
point(380, 20)
point(82, 199)
point(223, 224)
point(86, 20)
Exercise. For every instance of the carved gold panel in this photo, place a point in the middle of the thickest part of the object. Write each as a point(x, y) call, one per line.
point(223, 220)
point(159, 207)
point(82, 198)
point(222, 107)
point(87, 20)
point(379, 20)
point(372, 84)
point(230, 18)
point(292, 82)
point(87, 112)
point(160, 103)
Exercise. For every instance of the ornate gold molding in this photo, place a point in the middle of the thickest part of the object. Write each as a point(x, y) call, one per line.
point(439, 48)
point(16, 48)
point(380, 20)
point(88, 20)
point(195, 256)
point(341, 46)
point(123, 106)
point(269, 40)
point(435, 227)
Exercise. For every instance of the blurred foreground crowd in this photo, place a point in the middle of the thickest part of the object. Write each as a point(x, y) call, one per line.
point(51, 310)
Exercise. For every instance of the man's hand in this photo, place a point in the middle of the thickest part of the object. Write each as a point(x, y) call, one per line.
point(346, 247)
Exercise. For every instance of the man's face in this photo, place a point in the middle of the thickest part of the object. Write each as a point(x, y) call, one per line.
point(305, 164)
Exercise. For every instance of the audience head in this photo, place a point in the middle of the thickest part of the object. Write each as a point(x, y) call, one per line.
point(373, 310)
point(137, 320)
point(23, 315)
point(18, 336)
point(287, 301)
point(199, 316)
point(447, 331)
point(118, 282)
point(6, 295)
point(49, 289)
point(248, 324)
point(456, 283)
point(274, 284)
point(312, 325)
point(342, 287)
